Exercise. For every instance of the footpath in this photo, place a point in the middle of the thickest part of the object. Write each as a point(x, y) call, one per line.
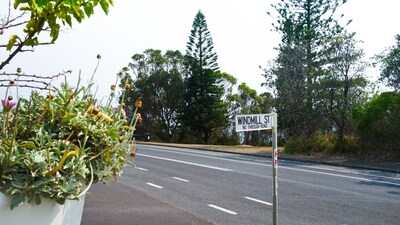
point(119, 204)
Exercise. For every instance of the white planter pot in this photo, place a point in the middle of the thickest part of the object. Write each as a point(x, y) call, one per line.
point(47, 213)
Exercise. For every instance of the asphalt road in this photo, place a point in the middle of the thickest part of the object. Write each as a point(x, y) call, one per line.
point(232, 189)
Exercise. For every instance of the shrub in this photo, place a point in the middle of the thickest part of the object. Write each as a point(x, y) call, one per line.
point(378, 125)
point(316, 143)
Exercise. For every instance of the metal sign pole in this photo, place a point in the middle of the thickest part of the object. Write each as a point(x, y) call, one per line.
point(275, 167)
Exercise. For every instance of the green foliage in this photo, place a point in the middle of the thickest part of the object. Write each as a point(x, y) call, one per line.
point(158, 81)
point(304, 26)
point(378, 124)
point(200, 46)
point(44, 15)
point(343, 86)
point(390, 65)
point(52, 12)
point(307, 21)
point(226, 138)
point(316, 143)
point(350, 144)
point(247, 101)
point(56, 146)
point(203, 111)
point(322, 143)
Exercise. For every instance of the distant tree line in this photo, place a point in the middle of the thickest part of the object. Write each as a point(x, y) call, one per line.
point(317, 84)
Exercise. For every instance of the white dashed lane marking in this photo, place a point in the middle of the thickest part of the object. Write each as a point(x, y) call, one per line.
point(180, 179)
point(257, 200)
point(154, 185)
point(140, 168)
point(223, 209)
point(186, 162)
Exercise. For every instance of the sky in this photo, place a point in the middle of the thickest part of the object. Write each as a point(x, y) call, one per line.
point(241, 32)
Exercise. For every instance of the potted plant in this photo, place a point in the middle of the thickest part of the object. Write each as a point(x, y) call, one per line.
point(55, 144)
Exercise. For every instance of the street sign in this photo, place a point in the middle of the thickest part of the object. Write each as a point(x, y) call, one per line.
point(253, 122)
point(264, 122)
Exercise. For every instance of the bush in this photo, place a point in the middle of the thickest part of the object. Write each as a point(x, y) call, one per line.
point(317, 142)
point(322, 143)
point(378, 125)
point(350, 144)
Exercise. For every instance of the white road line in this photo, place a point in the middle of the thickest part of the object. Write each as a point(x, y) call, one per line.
point(185, 162)
point(288, 166)
point(223, 209)
point(140, 168)
point(257, 200)
point(154, 185)
point(210, 155)
point(181, 179)
point(345, 176)
point(338, 169)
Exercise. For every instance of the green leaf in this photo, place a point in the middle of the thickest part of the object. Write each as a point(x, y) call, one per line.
point(17, 2)
point(41, 3)
point(55, 30)
point(11, 42)
point(32, 42)
point(78, 14)
point(37, 200)
point(104, 5)
point(19, 184)
point(17, 200)
point(68, 19)
point(88, 7)
point(38, 183)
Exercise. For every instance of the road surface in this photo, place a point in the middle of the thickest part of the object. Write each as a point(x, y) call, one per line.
point(232, 189)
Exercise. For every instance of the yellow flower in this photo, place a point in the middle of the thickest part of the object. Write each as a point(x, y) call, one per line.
point(50, 96)
point(96, 112)
point(104, 116)
point(138, 103)
point(140, 120)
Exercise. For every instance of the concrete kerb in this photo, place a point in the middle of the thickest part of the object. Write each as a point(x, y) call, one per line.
point(343, 162)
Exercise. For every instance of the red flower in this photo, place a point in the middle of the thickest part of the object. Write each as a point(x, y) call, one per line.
point(7, 105)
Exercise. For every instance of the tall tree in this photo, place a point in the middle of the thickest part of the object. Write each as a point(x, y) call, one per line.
point(287, 77)
point(204, 110)
point(304, 26)
point(342, 88)
point(390, 65)
point(157, 79)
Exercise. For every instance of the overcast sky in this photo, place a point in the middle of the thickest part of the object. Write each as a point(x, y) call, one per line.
point(241, 31)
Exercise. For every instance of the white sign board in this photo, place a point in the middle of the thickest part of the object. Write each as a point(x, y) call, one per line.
point(253, 122)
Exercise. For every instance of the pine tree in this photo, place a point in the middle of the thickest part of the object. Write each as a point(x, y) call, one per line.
point(203, 111)
point(305, 25)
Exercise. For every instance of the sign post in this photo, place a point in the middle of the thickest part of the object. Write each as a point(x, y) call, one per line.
point(264, 122)
point(275, 168)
